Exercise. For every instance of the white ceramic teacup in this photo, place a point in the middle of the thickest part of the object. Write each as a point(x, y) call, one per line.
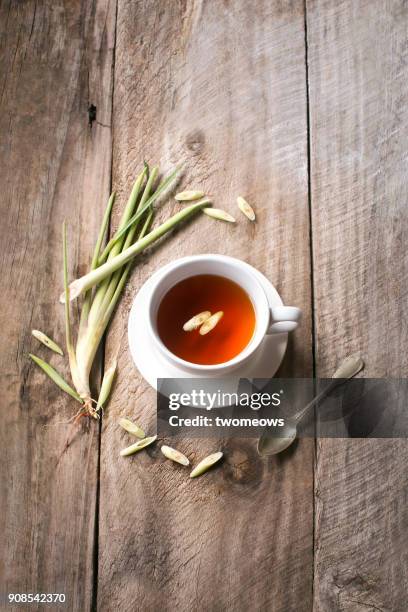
point(269, 319)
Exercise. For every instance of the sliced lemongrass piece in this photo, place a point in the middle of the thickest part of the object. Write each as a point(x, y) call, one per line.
point(187, 196)
point(106, 386)
point(138, 446)
point(174, 455)
point(39, 335)
point(246, 208)
point(96, 276)
point(219, 214)
point(196, 321)
point(210, 323)
point(56, 377)
point(132, 428)
point(205, 464)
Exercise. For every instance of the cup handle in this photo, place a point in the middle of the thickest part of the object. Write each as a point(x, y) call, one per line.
point(284, 319)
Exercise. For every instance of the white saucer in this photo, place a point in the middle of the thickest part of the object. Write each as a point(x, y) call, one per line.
point(152, 365)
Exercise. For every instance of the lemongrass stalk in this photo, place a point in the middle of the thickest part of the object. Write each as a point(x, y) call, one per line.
point(131, 207)
point(106, 386)
point(112, 282)
point(109, 285)
point(94, 263)
point(56, 377)
point(146, 193)
point(127, 213)
point(162, 187)
point(102, 231)
point(99, 327)
point(68, 337)
point(94, 277)
point(81, 384)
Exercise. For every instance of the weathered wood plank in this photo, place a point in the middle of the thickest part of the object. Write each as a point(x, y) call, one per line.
point(220, 87)
point(358, 102)
point(56, 59)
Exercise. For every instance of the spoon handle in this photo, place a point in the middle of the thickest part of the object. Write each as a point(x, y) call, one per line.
point(298, 416)
point(349, 367)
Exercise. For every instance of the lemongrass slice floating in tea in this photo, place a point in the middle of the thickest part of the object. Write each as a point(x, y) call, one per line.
point(132, 428)
point(246, 208)
point(41, 337)
point(196, 321)
point(217, 213)
point(135, 448)
point(174, 455)
point(210, 323)
point(187, 196)
point(205, 464)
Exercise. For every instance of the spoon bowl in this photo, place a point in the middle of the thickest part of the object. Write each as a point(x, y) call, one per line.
point(268, 445)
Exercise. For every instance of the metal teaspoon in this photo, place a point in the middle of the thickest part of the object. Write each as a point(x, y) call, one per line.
point(272, 446)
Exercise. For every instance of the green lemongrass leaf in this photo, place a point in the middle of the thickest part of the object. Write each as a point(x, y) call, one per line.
point(86, 306)
point(79, 378)
point(70, 346)
point(96, 276)
point(88, 349)
point(115, 245)
point(95, 334)
point(162, 187)
point(56, 377)
point(116, 277)
point(106, 386)
point(138, 446)
point(147, 224)
point(146, 193)
point(131, 203)
point(117, 248)
point(102, 231)
point(109, 304)
point(41, 337)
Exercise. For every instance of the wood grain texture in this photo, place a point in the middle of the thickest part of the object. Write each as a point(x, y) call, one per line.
point(56, 60)
point(221, 88)
point(359, 125)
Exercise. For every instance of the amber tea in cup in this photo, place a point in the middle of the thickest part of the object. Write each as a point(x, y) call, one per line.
point(206, 292)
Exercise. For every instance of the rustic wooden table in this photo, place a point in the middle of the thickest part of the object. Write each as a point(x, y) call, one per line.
point(303, 108)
